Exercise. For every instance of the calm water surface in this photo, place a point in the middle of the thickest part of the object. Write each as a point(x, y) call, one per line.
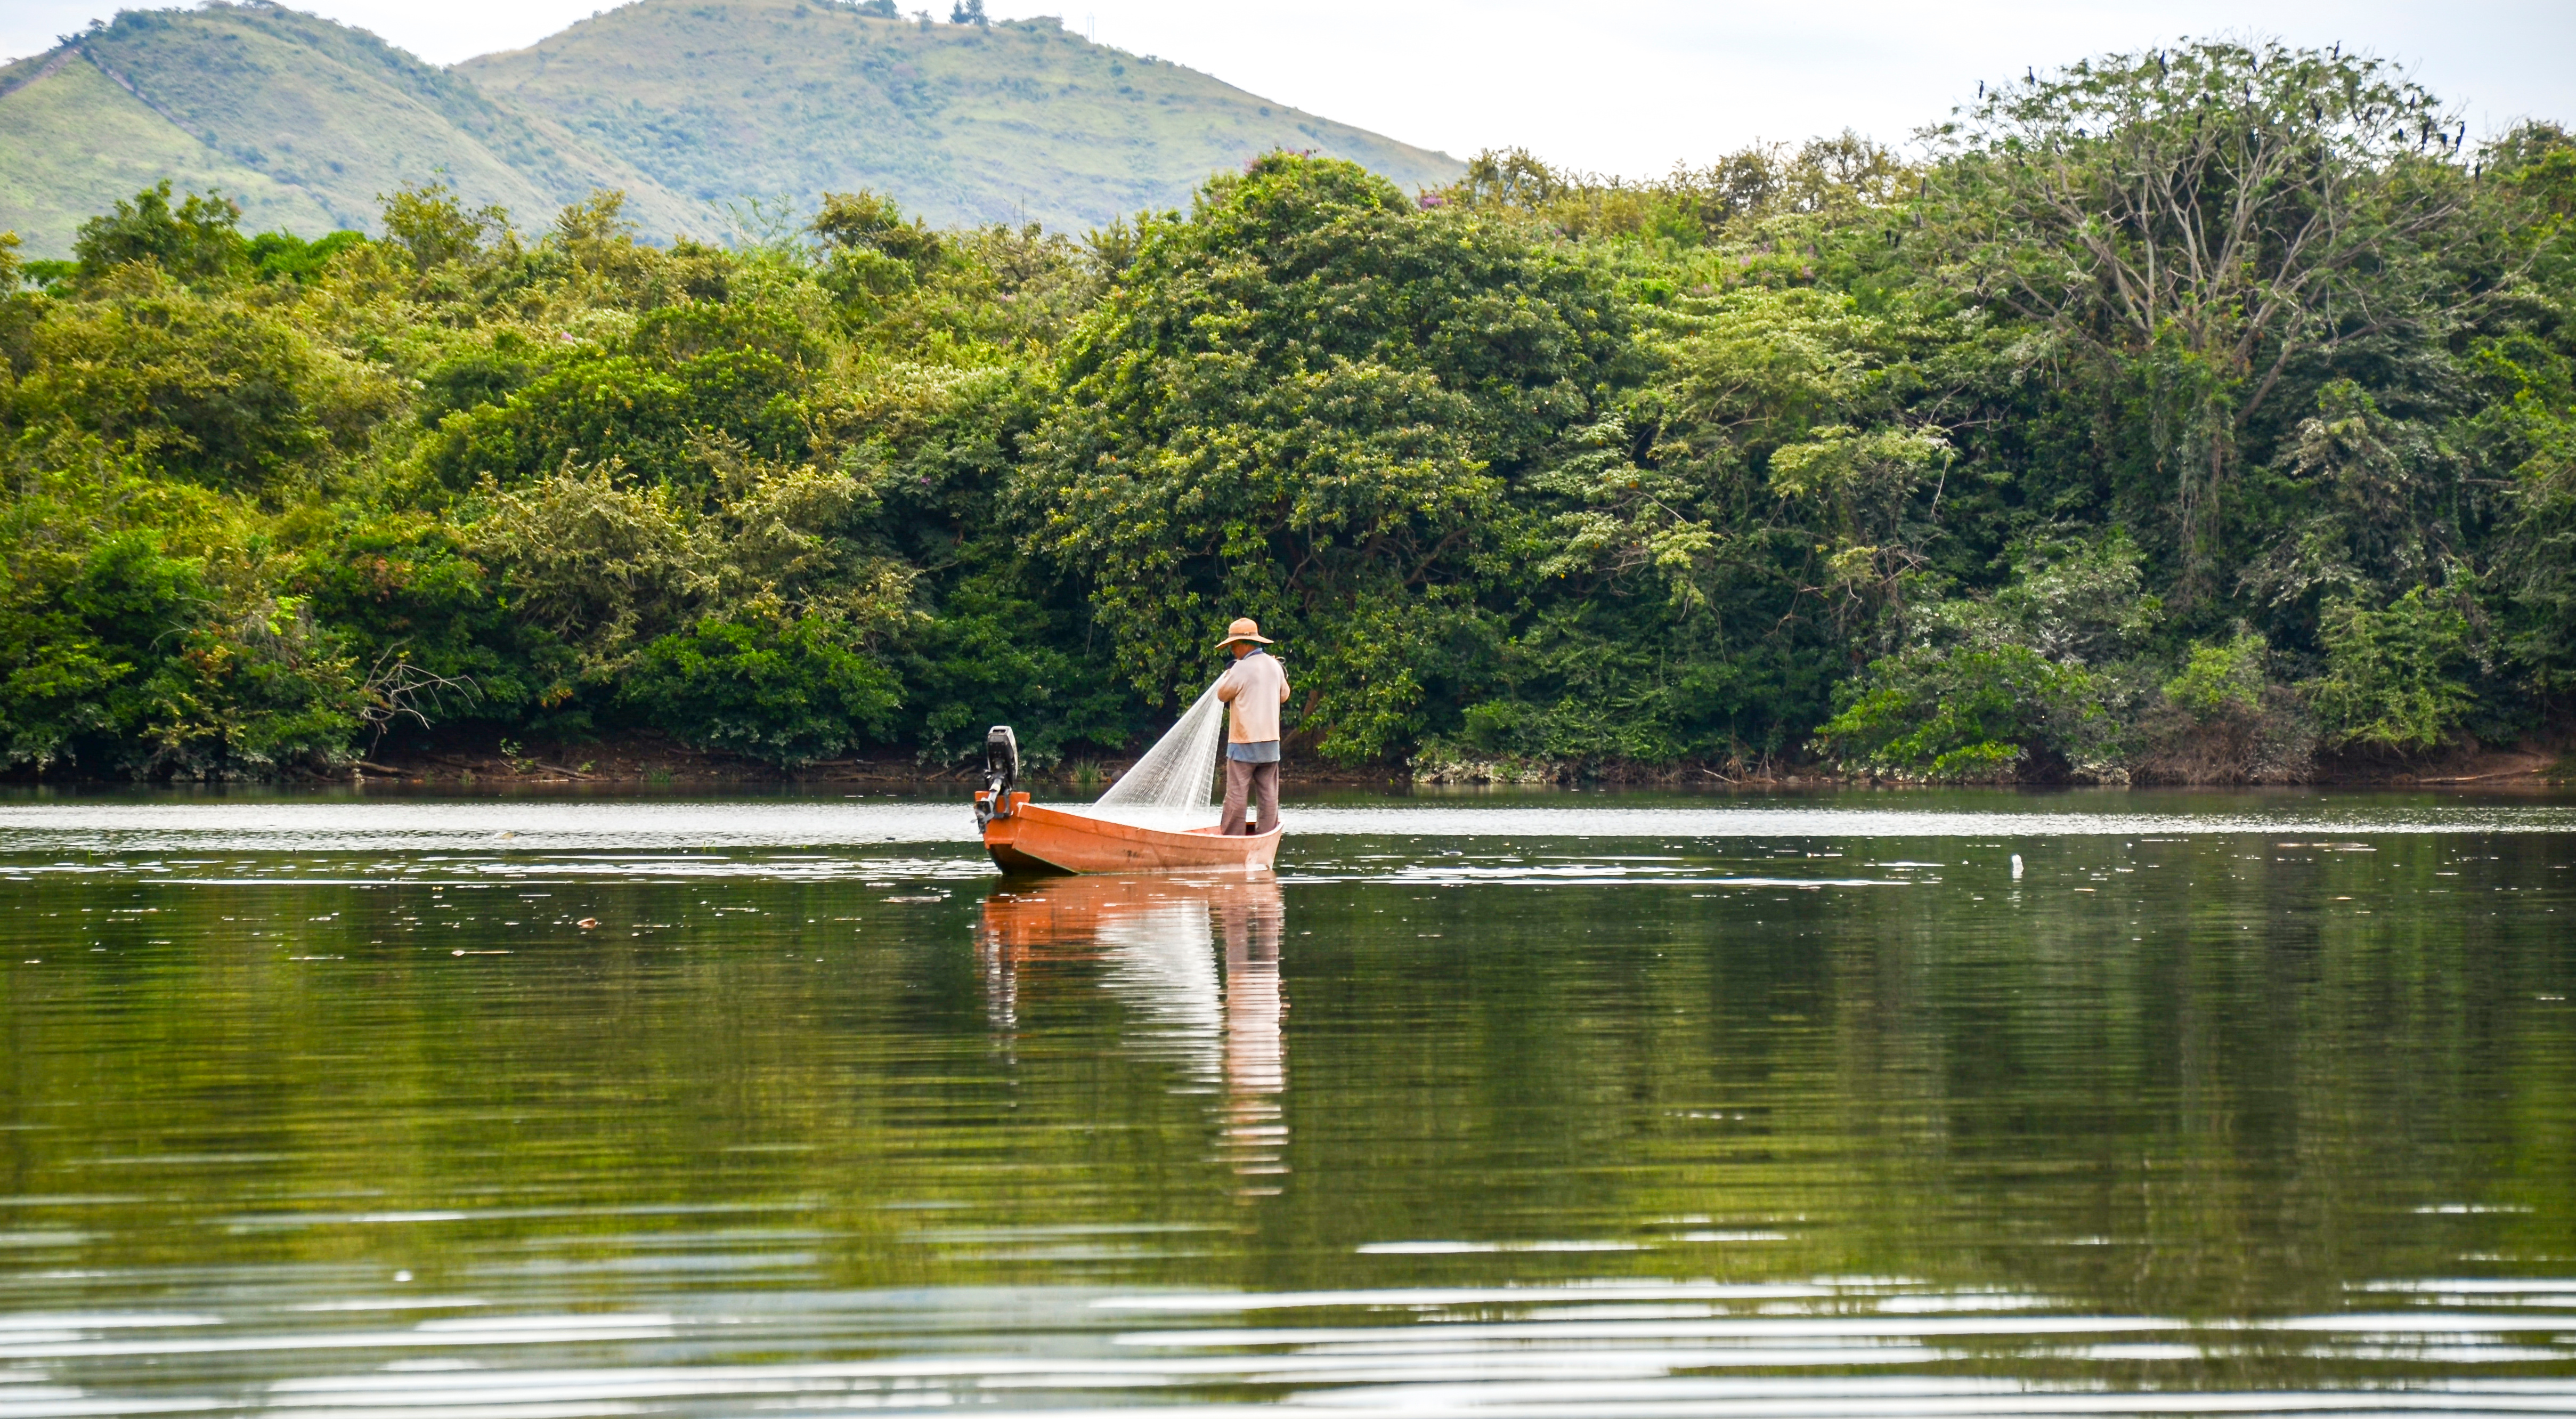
point(1586, 1105)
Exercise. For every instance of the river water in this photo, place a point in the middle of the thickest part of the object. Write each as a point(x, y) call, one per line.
point(1867, 1105)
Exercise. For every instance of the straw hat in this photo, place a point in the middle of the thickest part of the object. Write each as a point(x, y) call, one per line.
point(1244, 629)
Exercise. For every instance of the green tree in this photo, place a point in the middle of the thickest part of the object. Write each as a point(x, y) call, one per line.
point(215, 387)
point(90, 644)
point(1310, 401)
point(284, 256)
point(2526, 424)
point(431, 223)
point(1808, 447)
point(197, 241)
point(644, 400)
point(2371, 503)
point(2198, 225)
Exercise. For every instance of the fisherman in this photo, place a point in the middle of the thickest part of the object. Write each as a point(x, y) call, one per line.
point(1253, 688)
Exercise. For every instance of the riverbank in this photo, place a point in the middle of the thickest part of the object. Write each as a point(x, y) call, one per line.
point(2532, 765)
point(653, 760)
point(646, 758)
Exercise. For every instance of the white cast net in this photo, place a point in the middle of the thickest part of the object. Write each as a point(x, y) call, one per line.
point(1174, 785)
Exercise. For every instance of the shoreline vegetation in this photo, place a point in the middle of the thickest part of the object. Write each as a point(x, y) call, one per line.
point(2202, 415)
point(654, 761)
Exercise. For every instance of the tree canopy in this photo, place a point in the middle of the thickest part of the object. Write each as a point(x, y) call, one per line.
point(2189, 414)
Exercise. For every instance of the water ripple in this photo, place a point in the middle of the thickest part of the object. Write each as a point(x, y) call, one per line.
point(1830, 1346)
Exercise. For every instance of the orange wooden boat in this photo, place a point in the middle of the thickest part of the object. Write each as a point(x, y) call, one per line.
point(1023, 837)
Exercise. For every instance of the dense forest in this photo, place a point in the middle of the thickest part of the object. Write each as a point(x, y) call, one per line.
point(2204, 414)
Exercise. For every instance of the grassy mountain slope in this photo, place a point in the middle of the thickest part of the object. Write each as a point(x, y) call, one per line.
point(677, 102)
point(346, 116)
point(72, 143)
point(1020, 121)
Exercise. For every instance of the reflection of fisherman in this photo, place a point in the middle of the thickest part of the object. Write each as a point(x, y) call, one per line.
point(1251, 920)
point(1253, 689)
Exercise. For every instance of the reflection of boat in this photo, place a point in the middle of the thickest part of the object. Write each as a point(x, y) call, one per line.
point(1023, 837)
point(1157, 937)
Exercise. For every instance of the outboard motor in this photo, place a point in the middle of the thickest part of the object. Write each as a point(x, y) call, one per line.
point(1001, 772)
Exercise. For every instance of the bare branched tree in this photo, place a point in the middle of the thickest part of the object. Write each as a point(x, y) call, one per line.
point(2209, 217)
point(397, 689)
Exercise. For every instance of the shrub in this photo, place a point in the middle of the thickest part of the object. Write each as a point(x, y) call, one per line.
point(122, 657)
point(2024, 682)
point(2221, 680)
point(647, 411)
point(1980, 714)
point(593, 564)
point(88, 649)
point(2387, 683)
point(786, 692)
point(2222, 720)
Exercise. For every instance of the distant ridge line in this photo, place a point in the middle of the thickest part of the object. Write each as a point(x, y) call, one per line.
point(126, 84)
point(62, 55)
point(76, 50)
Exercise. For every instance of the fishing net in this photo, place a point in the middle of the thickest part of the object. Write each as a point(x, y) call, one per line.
point(1174, 785)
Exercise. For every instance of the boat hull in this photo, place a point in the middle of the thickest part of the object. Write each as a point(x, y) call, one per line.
point(1026, 838)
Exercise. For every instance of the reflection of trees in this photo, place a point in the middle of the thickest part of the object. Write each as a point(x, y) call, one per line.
point(1156, 939)
point(2238, 1113)
point(2223, 1091)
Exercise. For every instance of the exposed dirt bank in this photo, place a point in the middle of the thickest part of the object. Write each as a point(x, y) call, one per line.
point(2522, 766)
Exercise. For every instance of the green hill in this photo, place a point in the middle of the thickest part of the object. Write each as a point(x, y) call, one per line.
point(961, 123)
point(679, 103)
point(75, 142)
point(346, 116)
point(325, 116)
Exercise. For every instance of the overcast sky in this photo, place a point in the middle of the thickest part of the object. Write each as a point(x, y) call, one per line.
point(1635, 87)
